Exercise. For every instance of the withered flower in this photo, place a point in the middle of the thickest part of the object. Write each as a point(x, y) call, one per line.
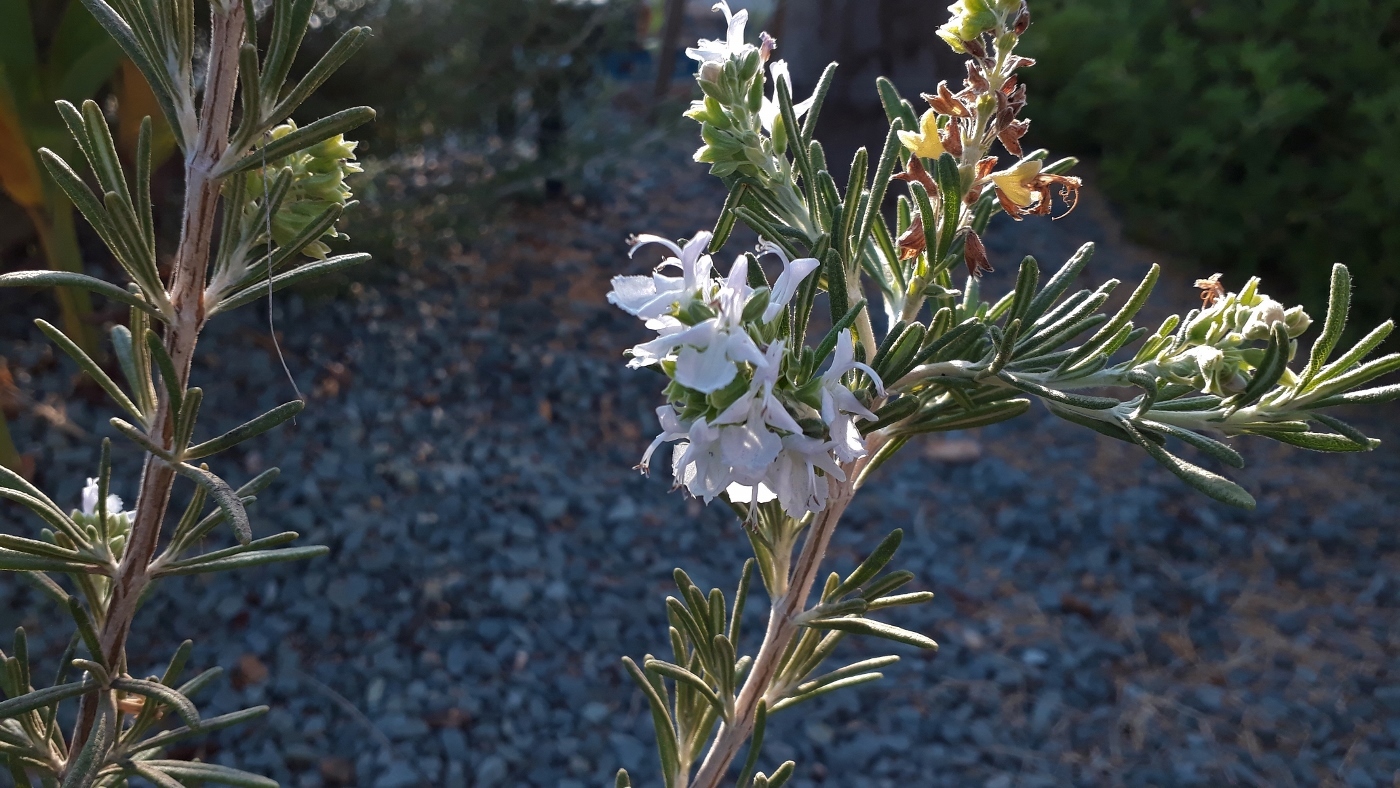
point(913, 241)
point(1011, 134)
point(976, 79)
point(1023, 19)
point(952, 137)
point(1211, 290)
point(945, 103)
point(1024, 190)
point(975, 255)
point(914, 172)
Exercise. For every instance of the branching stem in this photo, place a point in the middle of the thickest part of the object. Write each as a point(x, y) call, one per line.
point(782, 627)
point(187, 297)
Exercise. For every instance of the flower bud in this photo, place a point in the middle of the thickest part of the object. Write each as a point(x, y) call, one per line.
point(709, 74)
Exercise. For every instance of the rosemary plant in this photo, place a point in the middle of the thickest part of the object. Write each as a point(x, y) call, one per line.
point(786, 432)
point(259, 198)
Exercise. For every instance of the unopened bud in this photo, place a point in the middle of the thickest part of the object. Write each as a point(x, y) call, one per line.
point(1023, 19)
point(710, 72)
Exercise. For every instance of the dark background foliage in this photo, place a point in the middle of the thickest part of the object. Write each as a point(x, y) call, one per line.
point(1254, 136)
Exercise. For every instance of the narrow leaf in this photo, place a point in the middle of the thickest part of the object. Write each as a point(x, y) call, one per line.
point(250, 430)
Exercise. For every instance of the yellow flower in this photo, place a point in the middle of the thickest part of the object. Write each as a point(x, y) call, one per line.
point(1018, 183)
point(924, 143)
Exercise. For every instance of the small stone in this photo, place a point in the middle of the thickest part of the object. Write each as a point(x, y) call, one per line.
point(491, 771)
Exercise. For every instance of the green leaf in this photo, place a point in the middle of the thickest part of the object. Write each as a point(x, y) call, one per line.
point(162, 694)
point(724, 226)
point(886, 584)
point(828, 343)
point(850, 208)
point(1120, 320)
point(1267, 375)
point(344, 48)
point(889, 157)
point(1324, 386)
point(1060, 282)
point(86, 629)
point(760, 725)
point(872, 565)
point(1027, 279)
point(265, 543)
point(82, 772)
point(1379, 394)
point(289, 25)
point(247, 431)
point(1213, 485)
point(1063, 398)
point(51, 515)
point(892, 412)
point(1319, 441)
point(44, 697)
point(949, 181)
point(229, 501)
point(853, 669)
point(681, 675)
point(136, 436)
point(1210, 446)
point(246, 560)
point(666, 742)
point(622, 781)
point(37, 548)
point(916, 598)
point(304, 273)
point(950, 344)
point(210, 772)
point(167, 370)
point(103, 150)
point(818, 98)
point(896, 108)
point(150, 64)
point(1360, 350)
point(967, 419)
point(1346, 430)
point(82, 281)
point(864, 678)
point(1338, 307)
point(158, 778)
point(302, 138)
point(865, 626)
point(740, 597)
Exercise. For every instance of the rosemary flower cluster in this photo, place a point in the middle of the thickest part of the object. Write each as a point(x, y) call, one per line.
point(750, 418)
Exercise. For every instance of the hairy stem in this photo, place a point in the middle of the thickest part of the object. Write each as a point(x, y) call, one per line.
point(187, 298)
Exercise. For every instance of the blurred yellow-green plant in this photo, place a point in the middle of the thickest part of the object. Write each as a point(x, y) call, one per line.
point(1255, 136)
point(73, 61)
point(79, 59)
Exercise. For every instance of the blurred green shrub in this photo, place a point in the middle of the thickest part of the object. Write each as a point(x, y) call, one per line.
point(502, 67)
point(1255, 136)
point(478, 100)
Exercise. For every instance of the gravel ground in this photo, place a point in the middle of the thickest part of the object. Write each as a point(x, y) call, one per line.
point(467, 455)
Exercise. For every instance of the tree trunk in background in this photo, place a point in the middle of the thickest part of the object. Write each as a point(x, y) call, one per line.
point(868, 38)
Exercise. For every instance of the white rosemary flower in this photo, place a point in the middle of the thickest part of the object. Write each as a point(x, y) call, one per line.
point(769, 111)
point(114, 504)
point(839, 404)
point(708, 51)
point(785, 287)
point(652, 297)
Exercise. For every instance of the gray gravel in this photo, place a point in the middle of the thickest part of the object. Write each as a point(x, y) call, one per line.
point(467, 454)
